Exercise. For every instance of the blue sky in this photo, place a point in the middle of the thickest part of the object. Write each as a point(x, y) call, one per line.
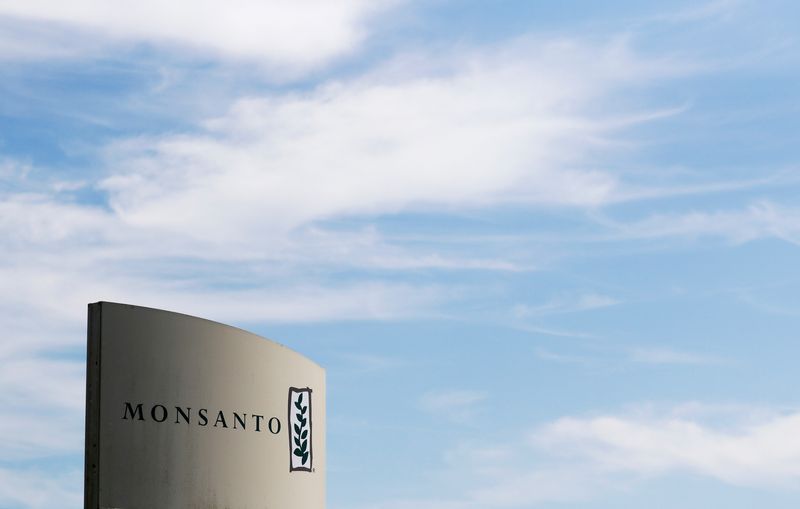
point(547, 251)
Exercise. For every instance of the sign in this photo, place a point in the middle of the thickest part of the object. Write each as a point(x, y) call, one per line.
point(184, 412)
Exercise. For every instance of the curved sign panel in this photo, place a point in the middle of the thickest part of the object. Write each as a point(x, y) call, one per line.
point(183, 412)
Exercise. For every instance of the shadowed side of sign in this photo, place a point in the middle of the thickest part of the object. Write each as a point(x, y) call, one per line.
point(91, 487)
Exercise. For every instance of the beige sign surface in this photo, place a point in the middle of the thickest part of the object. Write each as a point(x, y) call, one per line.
point(187, 413)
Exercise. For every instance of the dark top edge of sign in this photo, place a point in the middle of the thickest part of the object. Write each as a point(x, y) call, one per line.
point(103, 302)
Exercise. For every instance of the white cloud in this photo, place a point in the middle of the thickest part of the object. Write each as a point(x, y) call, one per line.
point(761, 453)
point(508, 126)
point(292, 35)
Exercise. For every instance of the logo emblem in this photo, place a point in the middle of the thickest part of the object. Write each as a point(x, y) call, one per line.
point(301, 457)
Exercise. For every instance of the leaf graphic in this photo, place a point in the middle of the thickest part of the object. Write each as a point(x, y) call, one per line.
point(301, 432)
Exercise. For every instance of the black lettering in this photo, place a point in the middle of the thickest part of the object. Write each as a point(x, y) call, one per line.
point(258, 421)
point(203, 419)
point(180, 413)
point(274, 425)
point(220, 418)
point(163, 413)
point(238, 419)
point(133, 413)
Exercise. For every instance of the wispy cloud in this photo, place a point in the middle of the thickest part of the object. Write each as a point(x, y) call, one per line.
point(703, 11)
point(40, 489)
point(599, 356)
point(369, 363)
point(13, 169)
point(456, 405)
point(566, 304)
point(564, 358)
point(779, 300)
point(671, 356)
point(759, 220)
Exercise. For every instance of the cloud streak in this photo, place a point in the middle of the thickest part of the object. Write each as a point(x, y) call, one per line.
point(456, 405)
point(763, 219)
